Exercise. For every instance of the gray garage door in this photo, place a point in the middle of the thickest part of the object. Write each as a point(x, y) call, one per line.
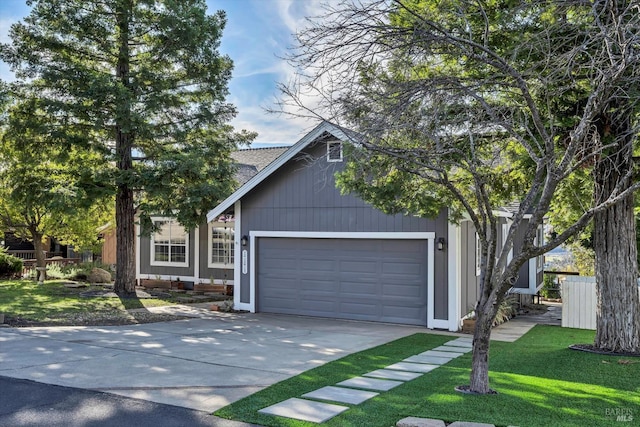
point(362, 279)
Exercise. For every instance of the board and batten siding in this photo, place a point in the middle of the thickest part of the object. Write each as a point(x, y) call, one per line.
point(302, 196)
point(470, 284)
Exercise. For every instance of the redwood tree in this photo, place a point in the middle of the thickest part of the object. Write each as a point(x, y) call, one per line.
point(141, 83)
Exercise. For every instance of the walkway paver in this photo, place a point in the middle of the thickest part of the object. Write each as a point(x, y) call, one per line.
point(412, 367)
point(453, 349)
point(441, 353)
point(433, 360)
point(305, 410)
point(393, 375)
point(370, 383)
point(339, 394)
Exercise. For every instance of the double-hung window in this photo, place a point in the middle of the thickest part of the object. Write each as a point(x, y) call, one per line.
point(169, 243)
point(221, 245)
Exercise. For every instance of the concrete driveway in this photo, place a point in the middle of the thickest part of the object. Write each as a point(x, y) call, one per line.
point(202, 363)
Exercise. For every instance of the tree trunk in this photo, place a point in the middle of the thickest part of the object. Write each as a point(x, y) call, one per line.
point(618, 306)
point(614, 239)
point(480, 355)
point(125, 211)
point(41, 263)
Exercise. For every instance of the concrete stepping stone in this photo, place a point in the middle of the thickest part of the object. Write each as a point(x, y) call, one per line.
point(393, 375)
point(453, 349)
point(438, 353)
point(469, 424)
point(419, 422)
point(459, 343)
point(370, 383)
point(304, 410)
point(412, 367)
point(342, 395)
point(431, 360)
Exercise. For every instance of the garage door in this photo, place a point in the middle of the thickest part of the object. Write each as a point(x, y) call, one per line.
point(363, 279)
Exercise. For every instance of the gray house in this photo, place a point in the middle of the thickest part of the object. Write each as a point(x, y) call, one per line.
point(290, 243)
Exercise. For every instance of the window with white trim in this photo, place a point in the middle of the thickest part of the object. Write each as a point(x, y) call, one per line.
point(334, 151)
point(221, 245)
point(478, 255)
point(169, 243)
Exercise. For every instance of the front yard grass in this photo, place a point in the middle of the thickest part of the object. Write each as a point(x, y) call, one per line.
point(540, 383)
point(24, 303)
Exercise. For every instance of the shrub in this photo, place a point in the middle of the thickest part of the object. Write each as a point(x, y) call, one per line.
point(10, 266)
point(506, 310)
point(549, 288)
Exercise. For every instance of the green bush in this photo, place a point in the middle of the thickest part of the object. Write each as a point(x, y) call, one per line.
point(507, 309)
point(549, 288)
point(78, 272)
point(10, 266)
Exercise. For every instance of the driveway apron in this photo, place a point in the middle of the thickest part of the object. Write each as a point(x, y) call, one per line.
point(201, 363)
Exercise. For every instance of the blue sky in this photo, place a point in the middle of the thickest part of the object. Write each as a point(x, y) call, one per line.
point(258, 33)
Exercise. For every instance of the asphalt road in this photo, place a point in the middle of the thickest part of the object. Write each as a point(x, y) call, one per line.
point(29, 403)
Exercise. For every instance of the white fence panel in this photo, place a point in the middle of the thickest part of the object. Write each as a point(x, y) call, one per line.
point(579, 302)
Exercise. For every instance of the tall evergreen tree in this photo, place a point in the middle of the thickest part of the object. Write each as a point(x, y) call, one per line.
point(141, 83)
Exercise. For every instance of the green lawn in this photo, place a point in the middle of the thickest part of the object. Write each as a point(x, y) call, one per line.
point(540, 383)
point(52, 300)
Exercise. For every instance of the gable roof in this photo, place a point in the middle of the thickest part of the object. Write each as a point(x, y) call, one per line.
point(250, 161)
point(319, 131)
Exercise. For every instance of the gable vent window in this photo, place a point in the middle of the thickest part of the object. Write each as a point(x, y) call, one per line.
point(334, 151)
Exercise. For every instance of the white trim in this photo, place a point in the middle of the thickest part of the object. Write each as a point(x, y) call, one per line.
point(439, 324)
point(152, 249)
point(428, 236)
point(329, 159)
point(196, 254)
point(275, 165)
point(540, 242)
point(237, 257)
point(194, 279)
point(431, 303)
point(533, 275)
point(138, 262)
point(252, 270)
point(454, 258)
point(346, 235)
point(478, 256)
point(221, 266)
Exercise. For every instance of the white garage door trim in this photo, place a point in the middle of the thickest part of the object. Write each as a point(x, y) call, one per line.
point(428, 236)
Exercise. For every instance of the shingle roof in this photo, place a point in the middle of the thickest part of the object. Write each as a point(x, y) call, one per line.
point(250, 161)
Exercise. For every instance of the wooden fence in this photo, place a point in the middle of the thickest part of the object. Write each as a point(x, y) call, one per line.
point(29, 265)
point(579, 302)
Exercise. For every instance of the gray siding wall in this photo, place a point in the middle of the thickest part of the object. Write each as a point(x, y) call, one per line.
point(523, 273)
point(470, 282)
point(302, 196)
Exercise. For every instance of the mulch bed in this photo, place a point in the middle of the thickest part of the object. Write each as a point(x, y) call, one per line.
point(93, 319)
point(589, 348)
point(466, 389)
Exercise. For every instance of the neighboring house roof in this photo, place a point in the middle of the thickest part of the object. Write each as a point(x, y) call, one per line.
point(250, 161)
point(320, 130)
